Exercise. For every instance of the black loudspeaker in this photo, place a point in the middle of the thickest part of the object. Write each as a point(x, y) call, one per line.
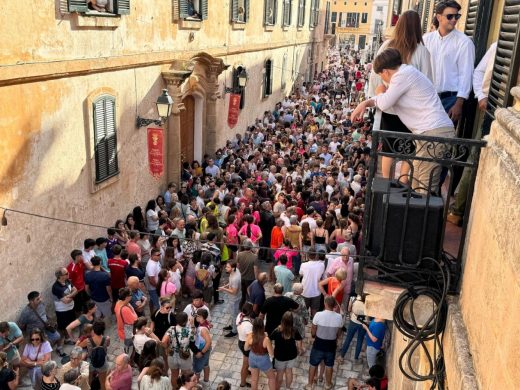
point(380, 187)
point(419, 218)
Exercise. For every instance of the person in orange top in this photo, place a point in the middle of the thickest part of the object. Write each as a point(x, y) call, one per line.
point(277, 236)
point(125, 316)
point(335, 286)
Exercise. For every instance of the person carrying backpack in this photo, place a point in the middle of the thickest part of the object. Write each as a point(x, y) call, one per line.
point(204, 274)
point(97, 346)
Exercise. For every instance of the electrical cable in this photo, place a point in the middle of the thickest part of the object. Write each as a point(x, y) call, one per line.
point(436, 289)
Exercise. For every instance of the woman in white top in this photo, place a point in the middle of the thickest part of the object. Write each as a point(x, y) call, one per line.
point(408, 41)
point(152, 218)
point(244, 327)
point(156, 378)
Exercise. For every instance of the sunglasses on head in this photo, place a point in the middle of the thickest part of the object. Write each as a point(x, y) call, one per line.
point(451, 16)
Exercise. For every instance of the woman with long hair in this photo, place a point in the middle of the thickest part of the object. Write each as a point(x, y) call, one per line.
point(130, 222)
point(121, 233)
point(250, 230)
point(339, 234)
point(288, 344)
point(155, 377)
point(320, 236)
point(244, 327)
point(152, 218)
point(260, 352)
point(165, 287)
point(139, 219)
point(407, 39)
point(9, 378)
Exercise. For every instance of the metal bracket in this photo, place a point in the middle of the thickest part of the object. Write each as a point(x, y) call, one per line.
point(143, 122)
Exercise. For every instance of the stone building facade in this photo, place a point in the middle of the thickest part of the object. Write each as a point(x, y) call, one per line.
point(68, 74)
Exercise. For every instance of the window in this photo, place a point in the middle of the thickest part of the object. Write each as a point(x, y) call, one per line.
point(352, 19)
point(193, 9)
point(236, 86)
point(327, 18)
point(379, 8)
point(270, 12)
point(240, 12)
point(284, 69)
point(110, 8)
point(362, 41)
point(301, 13)
point(287, 7)
point(396, 11)
point(315, 6)
point(268, 78)
point(507, 59)
point(364, 17)
point(105, 138)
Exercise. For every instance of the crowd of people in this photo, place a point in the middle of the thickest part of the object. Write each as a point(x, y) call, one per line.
point(281, 205)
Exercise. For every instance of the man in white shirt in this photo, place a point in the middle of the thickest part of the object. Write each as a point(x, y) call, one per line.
point(453, 56)
point(407, 90)
point(212, 169)
point(481, 82)
point(311, 273)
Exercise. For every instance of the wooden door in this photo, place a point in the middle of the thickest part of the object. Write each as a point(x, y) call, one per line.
point(187, 129)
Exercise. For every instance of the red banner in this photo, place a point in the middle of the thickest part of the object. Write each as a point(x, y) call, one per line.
point(234, 110)
point(155, 152)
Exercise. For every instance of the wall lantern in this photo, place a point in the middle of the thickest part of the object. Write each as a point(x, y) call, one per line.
point(241, 77)
point(164, 109)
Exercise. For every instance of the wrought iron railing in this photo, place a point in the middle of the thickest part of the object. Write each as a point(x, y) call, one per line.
point(388, 260)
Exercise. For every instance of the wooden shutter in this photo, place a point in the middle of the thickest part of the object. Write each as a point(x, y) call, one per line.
point(311, 18)
point(316, 12)
point(271, 76)
point(204, 9)
point(105, 138)
point(266, 12)
point(234, 10)
point(426, 16)
point(471, 18)
point(247, 5)
point(505, 70)
point(77, 5)
point(275, 11)
point(122, 7)
point(183, 9)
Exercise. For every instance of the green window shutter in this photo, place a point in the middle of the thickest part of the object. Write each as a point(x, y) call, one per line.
point(183, 9)
point(317, 12)
point(471, 18)
point(122, 7)
point(204, 9)
point(271, 78)
point(507, 58)
point(311, 18)
point(275, 11)
point(247, 6)
point(234, 10)
point(105, 138)
point(77, 5)
point(266, 12)
point(426, 16)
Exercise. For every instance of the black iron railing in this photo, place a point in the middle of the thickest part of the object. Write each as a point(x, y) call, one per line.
point(405, 224)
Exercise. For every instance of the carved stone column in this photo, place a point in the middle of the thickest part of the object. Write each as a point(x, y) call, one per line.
point(174, 80)
point(211, 108)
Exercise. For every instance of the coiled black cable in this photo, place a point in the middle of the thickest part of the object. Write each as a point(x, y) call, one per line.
point(438, 280)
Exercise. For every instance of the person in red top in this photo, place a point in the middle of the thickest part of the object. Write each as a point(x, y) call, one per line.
point(131, 245)
point(76, 270)
point(277, 234)
point(117, 271)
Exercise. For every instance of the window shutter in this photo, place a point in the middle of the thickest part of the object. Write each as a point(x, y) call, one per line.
point(275, 11)
point(507, 59)
point(247, 5)
point(122, 7)
point(271, 78)
point(471, 18)
point(183, 9)
point(311, 18)
point(264, 92)
point(317, 12)
point(426, 16)
point(105, 138)
point(266, 12)
point(234, 10)
point(204, 9)
point(77, 5)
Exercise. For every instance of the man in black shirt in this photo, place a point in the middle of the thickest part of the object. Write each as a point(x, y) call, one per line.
point(274, 308)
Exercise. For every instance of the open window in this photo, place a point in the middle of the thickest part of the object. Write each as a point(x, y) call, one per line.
point(268, 78)
point(240, 11)
point(195, 10)
point(270, 7)
point(99, 7)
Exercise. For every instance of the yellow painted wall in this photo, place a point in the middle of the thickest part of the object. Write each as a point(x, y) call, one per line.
point(361, 6)
point(51, 61)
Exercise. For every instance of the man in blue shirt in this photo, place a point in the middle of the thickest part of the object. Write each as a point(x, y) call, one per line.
point(10, 338)
point(97, 284)
point(256, 292)
point(375, 336)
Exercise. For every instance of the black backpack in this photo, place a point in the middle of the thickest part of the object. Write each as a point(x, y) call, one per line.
point(98, 353)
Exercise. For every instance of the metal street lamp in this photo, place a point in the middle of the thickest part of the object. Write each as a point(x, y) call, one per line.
point(242, 78)
point(164, 109)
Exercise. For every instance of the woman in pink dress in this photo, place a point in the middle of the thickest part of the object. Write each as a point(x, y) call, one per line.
point(250, 230)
